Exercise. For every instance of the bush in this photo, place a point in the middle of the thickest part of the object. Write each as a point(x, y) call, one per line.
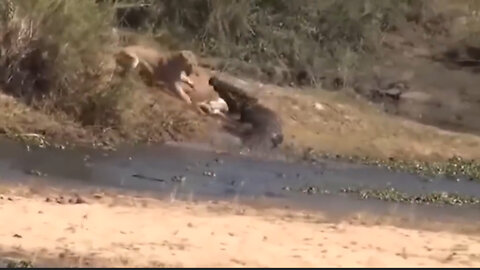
point(305, 36)
point(54, 57)
point(299, 39)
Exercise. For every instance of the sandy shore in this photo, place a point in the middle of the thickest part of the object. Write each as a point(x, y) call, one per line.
point(126, 231)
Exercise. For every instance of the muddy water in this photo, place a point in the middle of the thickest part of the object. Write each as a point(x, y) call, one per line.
point(188, 173)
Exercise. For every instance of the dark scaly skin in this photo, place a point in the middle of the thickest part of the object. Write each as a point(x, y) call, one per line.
point(233, 96)
point(266, 127)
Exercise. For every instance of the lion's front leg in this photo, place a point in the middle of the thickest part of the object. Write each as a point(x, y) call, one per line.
point(135, 62)
point(181, 93)
point(184, 78)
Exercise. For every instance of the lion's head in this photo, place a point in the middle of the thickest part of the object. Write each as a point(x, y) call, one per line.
point(186, 60)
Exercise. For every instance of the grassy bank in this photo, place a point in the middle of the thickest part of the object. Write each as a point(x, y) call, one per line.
point(298, 41)
point(57, 65)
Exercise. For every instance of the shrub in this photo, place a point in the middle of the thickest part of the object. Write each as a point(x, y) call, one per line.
point(304, 36)
point(55, 57)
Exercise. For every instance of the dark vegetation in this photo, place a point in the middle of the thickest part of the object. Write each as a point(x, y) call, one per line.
point(295, 41)
point(55, 55)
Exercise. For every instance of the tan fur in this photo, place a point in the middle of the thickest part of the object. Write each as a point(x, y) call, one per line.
point(169, 69)
point(204, 98)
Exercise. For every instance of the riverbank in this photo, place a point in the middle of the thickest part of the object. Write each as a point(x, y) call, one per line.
point(53, 105)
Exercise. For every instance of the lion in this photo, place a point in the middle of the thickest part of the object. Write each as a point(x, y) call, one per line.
point(204, 98)
point(169, 69)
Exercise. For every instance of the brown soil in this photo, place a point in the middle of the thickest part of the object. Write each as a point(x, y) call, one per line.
point(344, 123)
point(329, 122)
point(124, 231)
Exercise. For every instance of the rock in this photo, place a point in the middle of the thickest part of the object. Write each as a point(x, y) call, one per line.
point(60, 200)
point(394, 93)
point(35, 173)
point(179, 179)
point(80, 200)
point(319, 106)
point(209, 174)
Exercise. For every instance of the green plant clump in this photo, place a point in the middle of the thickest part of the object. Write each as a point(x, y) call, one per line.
point(393, 195)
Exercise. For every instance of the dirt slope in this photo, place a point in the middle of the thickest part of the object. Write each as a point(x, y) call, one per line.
point(344, 123)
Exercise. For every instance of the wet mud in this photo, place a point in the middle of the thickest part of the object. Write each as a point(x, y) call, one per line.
point(187, 173)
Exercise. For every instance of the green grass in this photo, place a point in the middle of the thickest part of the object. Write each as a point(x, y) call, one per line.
point(56, 58)
point(292, 39)
point(455, 168)
point(393, 195)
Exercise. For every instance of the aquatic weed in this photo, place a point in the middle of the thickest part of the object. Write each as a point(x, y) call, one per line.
point(455, 168)
point(393, 195)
